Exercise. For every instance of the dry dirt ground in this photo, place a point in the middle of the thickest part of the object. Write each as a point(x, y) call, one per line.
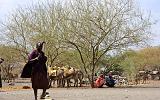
point(150, 91)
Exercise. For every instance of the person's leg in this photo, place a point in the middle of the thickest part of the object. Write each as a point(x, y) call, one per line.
point(35, 93)
point(43, 93)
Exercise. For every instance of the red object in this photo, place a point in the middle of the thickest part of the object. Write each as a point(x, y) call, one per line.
point(100, 81)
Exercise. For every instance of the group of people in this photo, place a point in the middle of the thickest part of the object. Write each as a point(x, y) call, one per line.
point(104, 80)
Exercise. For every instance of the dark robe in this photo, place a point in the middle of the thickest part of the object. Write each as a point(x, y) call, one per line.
point(27, 70)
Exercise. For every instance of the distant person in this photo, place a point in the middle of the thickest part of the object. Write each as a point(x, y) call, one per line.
point(1, 61)
point(100, 81)
point(37, 70)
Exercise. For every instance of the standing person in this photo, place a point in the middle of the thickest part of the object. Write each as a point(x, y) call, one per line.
point(1, 60)
point(39, 70)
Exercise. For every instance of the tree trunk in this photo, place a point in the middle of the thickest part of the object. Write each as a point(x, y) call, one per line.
point(92, 85)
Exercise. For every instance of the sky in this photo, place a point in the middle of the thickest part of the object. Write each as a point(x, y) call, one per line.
point(153, 6)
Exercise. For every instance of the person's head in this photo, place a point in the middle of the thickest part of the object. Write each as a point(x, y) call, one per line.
point(39, 46)
point(102, 76)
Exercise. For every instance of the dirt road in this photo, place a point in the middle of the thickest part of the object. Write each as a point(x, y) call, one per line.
point(88, 94)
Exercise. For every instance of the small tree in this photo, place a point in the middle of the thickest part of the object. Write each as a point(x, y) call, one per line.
point(12, 58)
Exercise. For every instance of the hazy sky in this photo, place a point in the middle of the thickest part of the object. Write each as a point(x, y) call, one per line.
point(153, 6)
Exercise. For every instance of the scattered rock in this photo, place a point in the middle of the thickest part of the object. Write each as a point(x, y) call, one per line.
point(26, 87)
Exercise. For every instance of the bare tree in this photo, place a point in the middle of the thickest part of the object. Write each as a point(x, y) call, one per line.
point(12, 59)
point(96, 28)
point(26, 27)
